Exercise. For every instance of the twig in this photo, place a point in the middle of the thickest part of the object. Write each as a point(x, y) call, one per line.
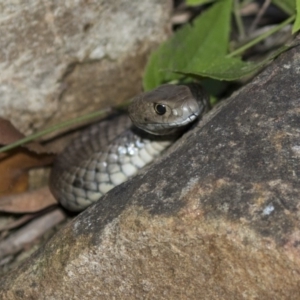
point(259, 15)
point(238, 20)
point(53, 128)
point(261, 37)
point(30, 232)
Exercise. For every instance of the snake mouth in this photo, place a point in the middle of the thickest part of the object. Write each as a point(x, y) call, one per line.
point(186, 121)
point(167, 128)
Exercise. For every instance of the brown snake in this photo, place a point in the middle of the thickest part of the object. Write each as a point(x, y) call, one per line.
point(110, 152)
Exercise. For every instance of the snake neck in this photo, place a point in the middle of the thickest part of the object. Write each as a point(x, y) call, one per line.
point(157, 138)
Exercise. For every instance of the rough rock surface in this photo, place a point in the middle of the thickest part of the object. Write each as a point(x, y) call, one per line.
point(60, 59)
point(217, 218)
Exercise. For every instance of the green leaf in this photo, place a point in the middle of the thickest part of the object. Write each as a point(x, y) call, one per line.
point(192, 47)
point(228, 68)
point(200, 51)
point(222, 69)
point(288, 6)
point(197, 2)
point(296, 26)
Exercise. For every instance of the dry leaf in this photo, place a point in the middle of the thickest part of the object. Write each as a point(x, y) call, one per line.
point(14, 166)
point(9, 134)
point(27, 202)
point(15, 163)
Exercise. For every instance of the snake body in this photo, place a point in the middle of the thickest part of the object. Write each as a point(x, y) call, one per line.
point(108, 153)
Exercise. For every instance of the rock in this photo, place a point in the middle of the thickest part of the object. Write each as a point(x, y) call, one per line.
point(217, 218)
point(63, 59)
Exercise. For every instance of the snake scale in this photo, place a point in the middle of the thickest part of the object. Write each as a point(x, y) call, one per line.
point(108, 153)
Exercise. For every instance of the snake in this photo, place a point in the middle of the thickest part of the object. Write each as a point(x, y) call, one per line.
point(110, 152)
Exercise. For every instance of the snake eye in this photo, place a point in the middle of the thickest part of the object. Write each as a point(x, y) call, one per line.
point(160, 109)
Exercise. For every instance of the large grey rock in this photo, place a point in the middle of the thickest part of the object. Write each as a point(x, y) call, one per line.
point(60, 59)
point(217, 218)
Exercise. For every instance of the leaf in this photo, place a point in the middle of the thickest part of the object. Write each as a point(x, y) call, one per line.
point(231, 68)
point(201, 51)
point(9, 134)
point(197, 2)
point(191, 47)
point(28, 202)
point(14, 167)
point(222, 69)
point(15, 164)
point(288, 6)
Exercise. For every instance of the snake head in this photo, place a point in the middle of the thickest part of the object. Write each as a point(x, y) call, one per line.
point(167, 108)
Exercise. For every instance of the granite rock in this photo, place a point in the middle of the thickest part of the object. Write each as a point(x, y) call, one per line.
point(61, 59)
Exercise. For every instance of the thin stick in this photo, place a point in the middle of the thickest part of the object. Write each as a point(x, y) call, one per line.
point(261, 37)
point(61, 125)
point(259, 15)
point(238, 20)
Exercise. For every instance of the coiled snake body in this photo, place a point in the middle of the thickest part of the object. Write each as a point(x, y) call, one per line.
point(110, 152)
